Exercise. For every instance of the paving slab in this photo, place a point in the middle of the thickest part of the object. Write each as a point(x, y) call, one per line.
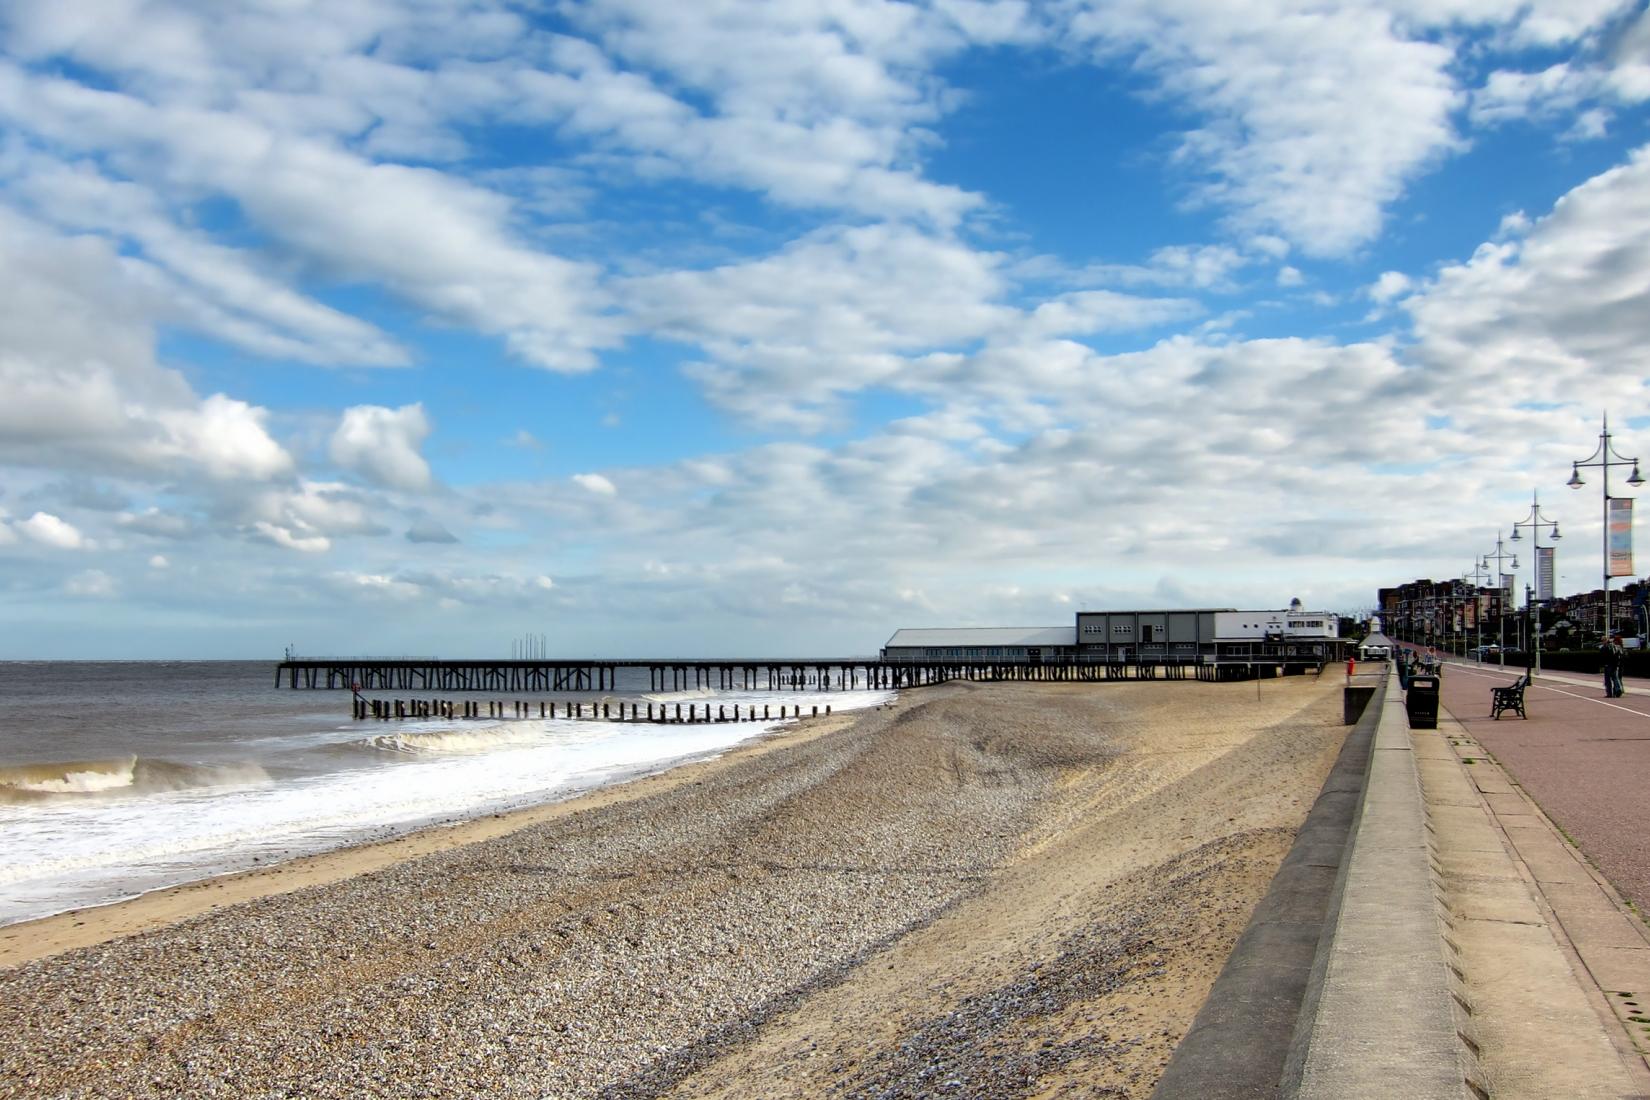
point(1533, 1044)
point(1470, 831)
point(1492, 785)
point(1508, 804)
point(1550, 868)
point(1617, 969)
point(1588, 913)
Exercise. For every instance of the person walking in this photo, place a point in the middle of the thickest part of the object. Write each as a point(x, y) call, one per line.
point(1613, 655)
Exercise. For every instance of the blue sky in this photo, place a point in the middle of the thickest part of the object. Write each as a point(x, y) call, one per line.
point(769, 327)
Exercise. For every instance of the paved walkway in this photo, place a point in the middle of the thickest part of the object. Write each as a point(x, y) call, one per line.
point(1584, 759)
point(1562, 793)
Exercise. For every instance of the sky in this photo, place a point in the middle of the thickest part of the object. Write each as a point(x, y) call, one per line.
point(768, 328)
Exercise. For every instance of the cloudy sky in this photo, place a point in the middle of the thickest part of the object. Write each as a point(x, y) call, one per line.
point(769, 326)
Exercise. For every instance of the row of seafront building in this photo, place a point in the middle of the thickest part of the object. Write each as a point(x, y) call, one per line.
point(1294, 639)
point(1451, 612)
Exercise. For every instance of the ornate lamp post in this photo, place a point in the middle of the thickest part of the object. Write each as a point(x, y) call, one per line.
point(1532, 592)
point(1475, 577)
point(1602, 458)
point(1500, 576)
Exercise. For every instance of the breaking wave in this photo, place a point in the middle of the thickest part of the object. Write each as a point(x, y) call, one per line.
point(121, 775)
point(682, 696)
point(443, 742)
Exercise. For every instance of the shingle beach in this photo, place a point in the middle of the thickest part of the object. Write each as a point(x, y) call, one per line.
point(983, 890)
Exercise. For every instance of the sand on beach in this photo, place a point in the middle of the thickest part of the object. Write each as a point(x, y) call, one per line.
point(986, 890)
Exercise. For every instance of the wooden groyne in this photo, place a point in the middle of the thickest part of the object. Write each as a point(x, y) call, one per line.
point(767, 674)
point(668, 713)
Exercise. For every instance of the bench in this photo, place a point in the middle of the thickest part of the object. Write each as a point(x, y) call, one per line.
point(1510, 697)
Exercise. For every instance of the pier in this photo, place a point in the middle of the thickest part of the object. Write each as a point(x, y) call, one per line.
point(431, 674)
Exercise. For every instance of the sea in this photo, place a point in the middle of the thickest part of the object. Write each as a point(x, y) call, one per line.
point(122, 777)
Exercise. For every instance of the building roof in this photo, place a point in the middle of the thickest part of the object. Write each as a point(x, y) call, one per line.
point(1153, 610)
point(1376, 639)
point(985, 636)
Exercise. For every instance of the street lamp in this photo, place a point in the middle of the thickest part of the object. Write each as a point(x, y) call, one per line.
point(1479, 571)
point(1506, 592)
point(1604, 457)
point(1534, 522)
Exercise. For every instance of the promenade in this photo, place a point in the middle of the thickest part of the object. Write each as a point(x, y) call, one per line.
point(1547, 901)
point(1470, 948)
point(1584, 759)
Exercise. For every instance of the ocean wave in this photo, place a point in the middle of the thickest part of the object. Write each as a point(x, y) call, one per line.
point(121, 775)
point(442, 742)
point(680, 696)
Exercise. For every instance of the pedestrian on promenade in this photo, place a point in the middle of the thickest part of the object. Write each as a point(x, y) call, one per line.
point(1613, 656)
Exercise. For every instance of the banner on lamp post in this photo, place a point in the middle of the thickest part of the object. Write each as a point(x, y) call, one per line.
point(1620, 538)
point(1544, 572)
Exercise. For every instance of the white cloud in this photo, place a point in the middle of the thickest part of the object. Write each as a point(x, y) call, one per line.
point(155, 522)
point(596, 483)
point(91, 584)
point(159, 561)
point(813, 104)
point(1508, 96)
point(1557, 313)
point(308, 517)
point(1199, 266)
point(836, 311)
point(1317, 116)
point(49, 530)
point(290, 540)
point(220, 290)
point(225, 436)
point(1290, 276)
point(439, 241)
point(383, 445)
point(83, 390)
point(379, 584)
point(1390, 285)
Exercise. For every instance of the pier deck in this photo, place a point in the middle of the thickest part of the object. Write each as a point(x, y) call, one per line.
point(749, 674)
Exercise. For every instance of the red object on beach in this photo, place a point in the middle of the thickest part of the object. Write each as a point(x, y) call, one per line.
point(1351, 665)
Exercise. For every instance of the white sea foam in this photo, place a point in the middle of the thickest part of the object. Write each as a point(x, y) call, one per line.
point(78, 777)
point(66, 853)
point(681, 696)
point(425, 742)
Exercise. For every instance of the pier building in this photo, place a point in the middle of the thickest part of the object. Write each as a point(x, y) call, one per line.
point(981, 644)
point(1292, 638)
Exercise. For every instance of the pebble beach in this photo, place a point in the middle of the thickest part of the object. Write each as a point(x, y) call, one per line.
point(982, 890)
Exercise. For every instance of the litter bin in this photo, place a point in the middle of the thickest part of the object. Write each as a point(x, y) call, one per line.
point(1421, 702)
